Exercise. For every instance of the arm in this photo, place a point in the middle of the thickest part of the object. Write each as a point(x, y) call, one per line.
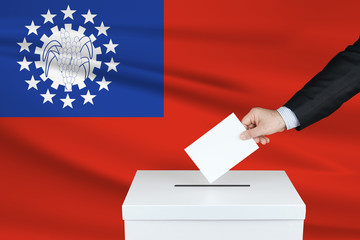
point(322, 95)
point(329, 89)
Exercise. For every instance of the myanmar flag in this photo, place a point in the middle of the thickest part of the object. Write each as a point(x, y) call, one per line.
point(92, 91)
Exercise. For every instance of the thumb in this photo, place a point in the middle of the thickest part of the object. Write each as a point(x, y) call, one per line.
point(251, 133)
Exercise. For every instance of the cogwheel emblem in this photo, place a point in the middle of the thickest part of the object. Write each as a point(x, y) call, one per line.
point(74, 56)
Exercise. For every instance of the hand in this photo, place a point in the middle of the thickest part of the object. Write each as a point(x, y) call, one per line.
point(260, 122)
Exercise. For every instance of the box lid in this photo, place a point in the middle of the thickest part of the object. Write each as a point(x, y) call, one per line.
point(238, 195)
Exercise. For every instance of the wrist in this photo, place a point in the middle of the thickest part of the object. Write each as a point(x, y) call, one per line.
point(281, 125)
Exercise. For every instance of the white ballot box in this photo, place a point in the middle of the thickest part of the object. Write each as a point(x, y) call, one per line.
point(246, 205)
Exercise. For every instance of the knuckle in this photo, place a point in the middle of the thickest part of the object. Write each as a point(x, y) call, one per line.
point(254, 109)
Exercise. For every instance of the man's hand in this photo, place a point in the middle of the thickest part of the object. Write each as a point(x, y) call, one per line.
point(260, 122)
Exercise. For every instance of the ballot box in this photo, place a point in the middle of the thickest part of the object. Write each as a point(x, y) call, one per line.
point(241, 205)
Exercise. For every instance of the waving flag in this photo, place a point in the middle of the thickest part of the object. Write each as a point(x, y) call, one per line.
point(172, 70)
point(77, 61)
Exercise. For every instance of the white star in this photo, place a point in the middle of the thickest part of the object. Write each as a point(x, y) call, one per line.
point(67, 101)
point(48, 17)
point(110, 46)
point(47, 96)
point(68, 12)
point(32, 28)
point(102, 29)
point(24, 45)
point(103, 84)
point(88, 97)
point(24, 64)
point(112, 65)
point(89, 17)
point(32, 83)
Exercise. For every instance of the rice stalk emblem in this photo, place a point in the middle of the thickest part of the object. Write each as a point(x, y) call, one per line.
point(71, 54)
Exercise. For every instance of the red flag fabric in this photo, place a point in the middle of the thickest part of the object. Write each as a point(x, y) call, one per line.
point(66, 178)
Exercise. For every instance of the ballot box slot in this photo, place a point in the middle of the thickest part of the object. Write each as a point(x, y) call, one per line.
point(212, 185)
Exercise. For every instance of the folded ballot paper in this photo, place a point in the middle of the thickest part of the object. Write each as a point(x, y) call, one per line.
point(221, 148)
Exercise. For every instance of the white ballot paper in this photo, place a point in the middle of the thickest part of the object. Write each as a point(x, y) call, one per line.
point(221, 148)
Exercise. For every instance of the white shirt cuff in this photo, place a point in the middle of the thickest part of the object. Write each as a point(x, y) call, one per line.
point(290, 119)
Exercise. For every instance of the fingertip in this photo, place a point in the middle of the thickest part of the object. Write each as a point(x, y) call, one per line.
point(262, 140)
point(243, 136)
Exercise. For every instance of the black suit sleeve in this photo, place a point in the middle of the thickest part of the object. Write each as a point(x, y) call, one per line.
point(329, 89)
